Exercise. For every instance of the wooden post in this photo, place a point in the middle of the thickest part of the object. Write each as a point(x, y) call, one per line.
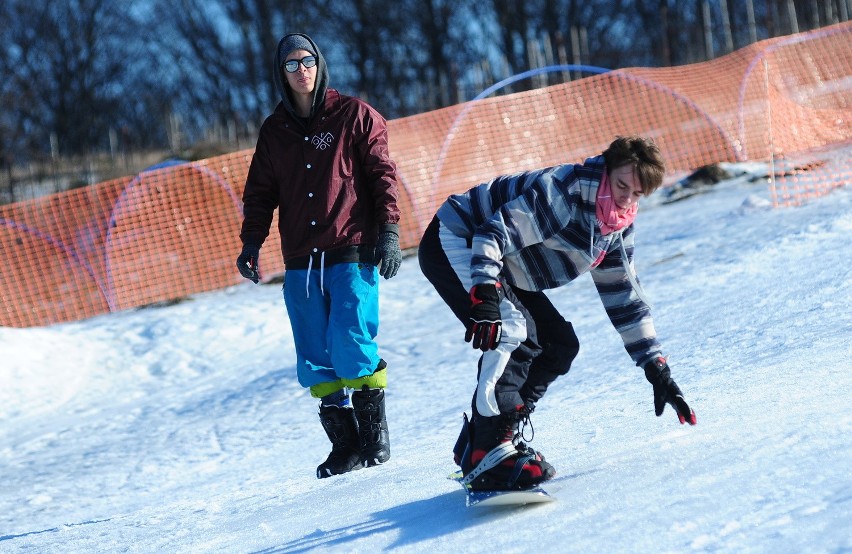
point(575, 47)
point(113, 145)
point(773, 24)
point(708, 32)
point(507, 70)
point(54, 157)
point(563, 55)
point(487, 75)
point(445, 95)
point(534, 61)
point(726, 26)
point(457, 91)
point(11, 172)
point(547, 51)
point(584, 45)
point(752, 27)
point(791, 15)
point(665, 46)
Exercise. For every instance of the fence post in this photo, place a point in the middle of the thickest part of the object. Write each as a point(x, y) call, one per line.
point(575, 47)
point(726, 26)
point(752, 27)
point(708, 31)
point(791, 15)
point(563, 55)
point(54, 157)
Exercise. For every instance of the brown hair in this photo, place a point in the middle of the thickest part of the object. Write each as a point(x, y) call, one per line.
point(645, 156)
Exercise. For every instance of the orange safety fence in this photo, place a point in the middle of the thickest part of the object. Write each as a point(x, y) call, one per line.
point(171, 232)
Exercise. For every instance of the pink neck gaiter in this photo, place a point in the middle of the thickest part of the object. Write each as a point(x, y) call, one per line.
point(610, 217)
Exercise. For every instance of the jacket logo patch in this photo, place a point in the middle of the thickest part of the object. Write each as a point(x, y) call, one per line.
point(322, 141)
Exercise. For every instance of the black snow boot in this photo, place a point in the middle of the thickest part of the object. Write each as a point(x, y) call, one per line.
point(462, 442)
point(465, 434)
point(518, 466)
point(342, 430)
point(374, 442)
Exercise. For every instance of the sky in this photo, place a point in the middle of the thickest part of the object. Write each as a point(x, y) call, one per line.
point(182, 428)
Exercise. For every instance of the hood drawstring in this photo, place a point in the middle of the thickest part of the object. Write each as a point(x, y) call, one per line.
point(322, 274)
point(599, 259)
point(630, 275)
point(592, 241)
point(627, 269)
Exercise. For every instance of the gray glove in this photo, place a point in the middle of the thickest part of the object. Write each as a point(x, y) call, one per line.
point(388, 255)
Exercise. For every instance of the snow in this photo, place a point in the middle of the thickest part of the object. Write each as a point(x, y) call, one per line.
point(182, 429)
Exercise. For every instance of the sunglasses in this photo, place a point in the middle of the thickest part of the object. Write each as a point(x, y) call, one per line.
point(292, 66)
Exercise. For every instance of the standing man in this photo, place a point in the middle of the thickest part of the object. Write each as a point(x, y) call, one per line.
point(491, 251)
point(322, 160)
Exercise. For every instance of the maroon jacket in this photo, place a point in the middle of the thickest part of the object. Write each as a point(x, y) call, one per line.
point(331, 179)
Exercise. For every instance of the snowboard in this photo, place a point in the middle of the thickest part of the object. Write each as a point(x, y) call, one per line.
point(482, 499)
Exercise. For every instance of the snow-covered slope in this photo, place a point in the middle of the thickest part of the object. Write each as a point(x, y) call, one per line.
point(182, 429)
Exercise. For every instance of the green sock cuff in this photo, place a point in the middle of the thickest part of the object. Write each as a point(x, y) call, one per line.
point(324, 389)
point(378, 380)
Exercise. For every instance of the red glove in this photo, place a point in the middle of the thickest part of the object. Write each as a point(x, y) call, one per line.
point(485, 327)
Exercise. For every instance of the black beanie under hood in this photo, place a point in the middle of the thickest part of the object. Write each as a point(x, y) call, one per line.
point(299, 41)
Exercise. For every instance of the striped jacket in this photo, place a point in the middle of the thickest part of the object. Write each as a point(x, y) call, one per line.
point(538, 230)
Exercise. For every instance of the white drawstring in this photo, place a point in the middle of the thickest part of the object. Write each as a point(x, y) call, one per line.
point(592, 234)
point(308, 276)
point(322, 274)
point(592, 242)
point(322, 271)
point(630, 275)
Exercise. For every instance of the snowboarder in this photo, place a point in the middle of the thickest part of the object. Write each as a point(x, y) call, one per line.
point(322, 160)
point(491, 251)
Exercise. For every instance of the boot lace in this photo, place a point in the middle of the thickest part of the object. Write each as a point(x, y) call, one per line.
point(524, 422)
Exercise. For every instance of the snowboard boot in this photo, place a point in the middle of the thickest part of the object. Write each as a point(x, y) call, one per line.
point(463, 439)
point(517, 467)
point(342, 430)
point(374, 440)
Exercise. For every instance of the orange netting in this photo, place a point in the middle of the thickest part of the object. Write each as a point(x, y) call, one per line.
point(171, 232)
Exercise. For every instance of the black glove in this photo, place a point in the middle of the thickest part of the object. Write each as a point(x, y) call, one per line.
point(666, 391)
point(247, 262)
point(388, 256)
point(485, 327)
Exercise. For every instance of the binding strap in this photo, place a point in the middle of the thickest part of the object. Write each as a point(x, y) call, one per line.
point(495, 457)
point(519, 467)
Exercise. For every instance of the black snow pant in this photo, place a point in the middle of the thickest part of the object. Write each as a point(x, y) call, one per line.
point(551, 343)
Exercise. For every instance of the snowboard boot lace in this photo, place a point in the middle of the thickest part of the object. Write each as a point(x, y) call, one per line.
point(524, 422)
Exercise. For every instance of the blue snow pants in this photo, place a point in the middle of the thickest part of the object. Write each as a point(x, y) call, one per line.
point(334, 314)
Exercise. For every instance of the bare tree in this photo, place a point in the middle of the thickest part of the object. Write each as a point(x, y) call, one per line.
point(65, 62)
point(82, 76)
point(509, 32)
point(221, 54)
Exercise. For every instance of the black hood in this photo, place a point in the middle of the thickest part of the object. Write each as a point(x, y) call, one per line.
point(283, 88)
